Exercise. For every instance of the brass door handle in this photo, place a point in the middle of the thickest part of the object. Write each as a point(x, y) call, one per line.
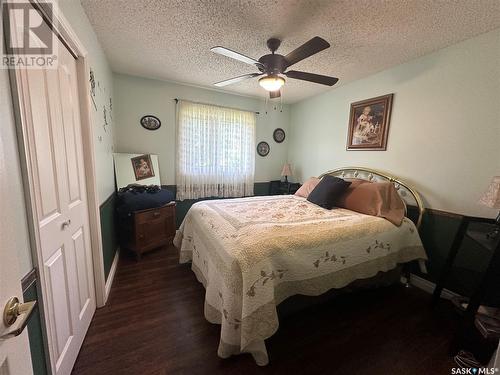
point(14, 309)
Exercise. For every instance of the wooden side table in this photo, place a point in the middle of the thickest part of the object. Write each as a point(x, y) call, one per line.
point(148, 229)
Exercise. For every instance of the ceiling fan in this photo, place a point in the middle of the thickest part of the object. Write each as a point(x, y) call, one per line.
point(274, 66)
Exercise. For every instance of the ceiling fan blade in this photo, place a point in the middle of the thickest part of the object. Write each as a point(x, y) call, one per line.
point(236, 79)
point(236, 55)
point(309, 48)
point(274, 94)
point(316, 78)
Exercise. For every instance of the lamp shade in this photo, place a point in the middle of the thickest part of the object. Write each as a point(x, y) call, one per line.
point(272, 82)
point(287, 170)
point(491, 197)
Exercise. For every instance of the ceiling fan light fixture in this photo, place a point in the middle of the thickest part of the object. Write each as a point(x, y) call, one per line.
point(273, 67)
point(271, 82)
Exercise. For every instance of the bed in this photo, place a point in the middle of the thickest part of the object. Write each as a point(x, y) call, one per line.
point(253, 253)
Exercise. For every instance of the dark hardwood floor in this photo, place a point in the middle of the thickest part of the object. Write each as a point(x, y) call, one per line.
point(153, 324)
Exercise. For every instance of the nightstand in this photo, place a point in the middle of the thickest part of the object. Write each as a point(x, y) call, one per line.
point(148, 229)
point(278, 187)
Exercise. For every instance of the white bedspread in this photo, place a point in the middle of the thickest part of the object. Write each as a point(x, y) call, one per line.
point(252, 253)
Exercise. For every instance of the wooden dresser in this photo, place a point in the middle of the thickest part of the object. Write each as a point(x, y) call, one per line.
point(148, 229)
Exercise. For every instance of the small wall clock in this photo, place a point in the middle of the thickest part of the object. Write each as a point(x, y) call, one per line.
point(150, 122)
point(263, 148)
point(279, 135)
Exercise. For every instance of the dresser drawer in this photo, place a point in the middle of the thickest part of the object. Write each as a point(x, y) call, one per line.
point(153, 233)
point(149, 229)
point(146, 216)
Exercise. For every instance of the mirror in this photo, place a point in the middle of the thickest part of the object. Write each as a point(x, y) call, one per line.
point(139, 169)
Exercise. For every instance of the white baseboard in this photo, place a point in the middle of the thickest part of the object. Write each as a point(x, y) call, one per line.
point(429, 286)
point(111, 275)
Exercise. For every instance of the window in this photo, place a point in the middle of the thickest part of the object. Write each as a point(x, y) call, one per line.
point(215, 151)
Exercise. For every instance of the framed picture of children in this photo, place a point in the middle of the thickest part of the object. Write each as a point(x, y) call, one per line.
point(369, 124)
point(143, 168)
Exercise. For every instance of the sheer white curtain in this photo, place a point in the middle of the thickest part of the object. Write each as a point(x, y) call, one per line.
point(215, 151)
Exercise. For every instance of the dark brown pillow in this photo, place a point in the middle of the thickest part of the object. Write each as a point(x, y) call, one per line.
point(374, 198)
point(328, 191)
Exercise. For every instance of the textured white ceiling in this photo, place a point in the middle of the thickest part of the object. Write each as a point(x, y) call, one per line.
point(171, 40)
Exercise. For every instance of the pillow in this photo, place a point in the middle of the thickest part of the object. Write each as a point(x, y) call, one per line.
point(328, 191)
point(374, 198)
point(307, 187)
point(355, 182)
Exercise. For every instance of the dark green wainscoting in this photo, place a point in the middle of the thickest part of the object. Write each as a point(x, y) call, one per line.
point(108, 232)
point(35, 327)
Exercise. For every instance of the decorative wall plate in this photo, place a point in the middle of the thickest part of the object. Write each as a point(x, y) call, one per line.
point(279, 135)
point(263, 148)
point(150, 122)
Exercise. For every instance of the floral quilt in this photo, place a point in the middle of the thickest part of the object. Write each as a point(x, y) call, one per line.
point(252, 253)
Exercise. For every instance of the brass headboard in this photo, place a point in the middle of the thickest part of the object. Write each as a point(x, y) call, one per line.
point(403, 189)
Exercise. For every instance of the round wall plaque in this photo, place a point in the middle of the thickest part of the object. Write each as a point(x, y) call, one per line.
point(263, 148)
point(279, 135)
point(150, 122)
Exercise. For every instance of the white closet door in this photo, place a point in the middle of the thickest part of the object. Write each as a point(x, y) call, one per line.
point(54, 145)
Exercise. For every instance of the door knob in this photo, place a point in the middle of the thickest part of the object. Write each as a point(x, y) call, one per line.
point(66, 224)
point(14, 309)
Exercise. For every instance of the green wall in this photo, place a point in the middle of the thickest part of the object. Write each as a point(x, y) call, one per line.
point(448, 156)
point(108, 232)
point(135, 96)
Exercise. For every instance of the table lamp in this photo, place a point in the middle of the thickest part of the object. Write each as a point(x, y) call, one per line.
point(491, 198)
point(286, 171)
